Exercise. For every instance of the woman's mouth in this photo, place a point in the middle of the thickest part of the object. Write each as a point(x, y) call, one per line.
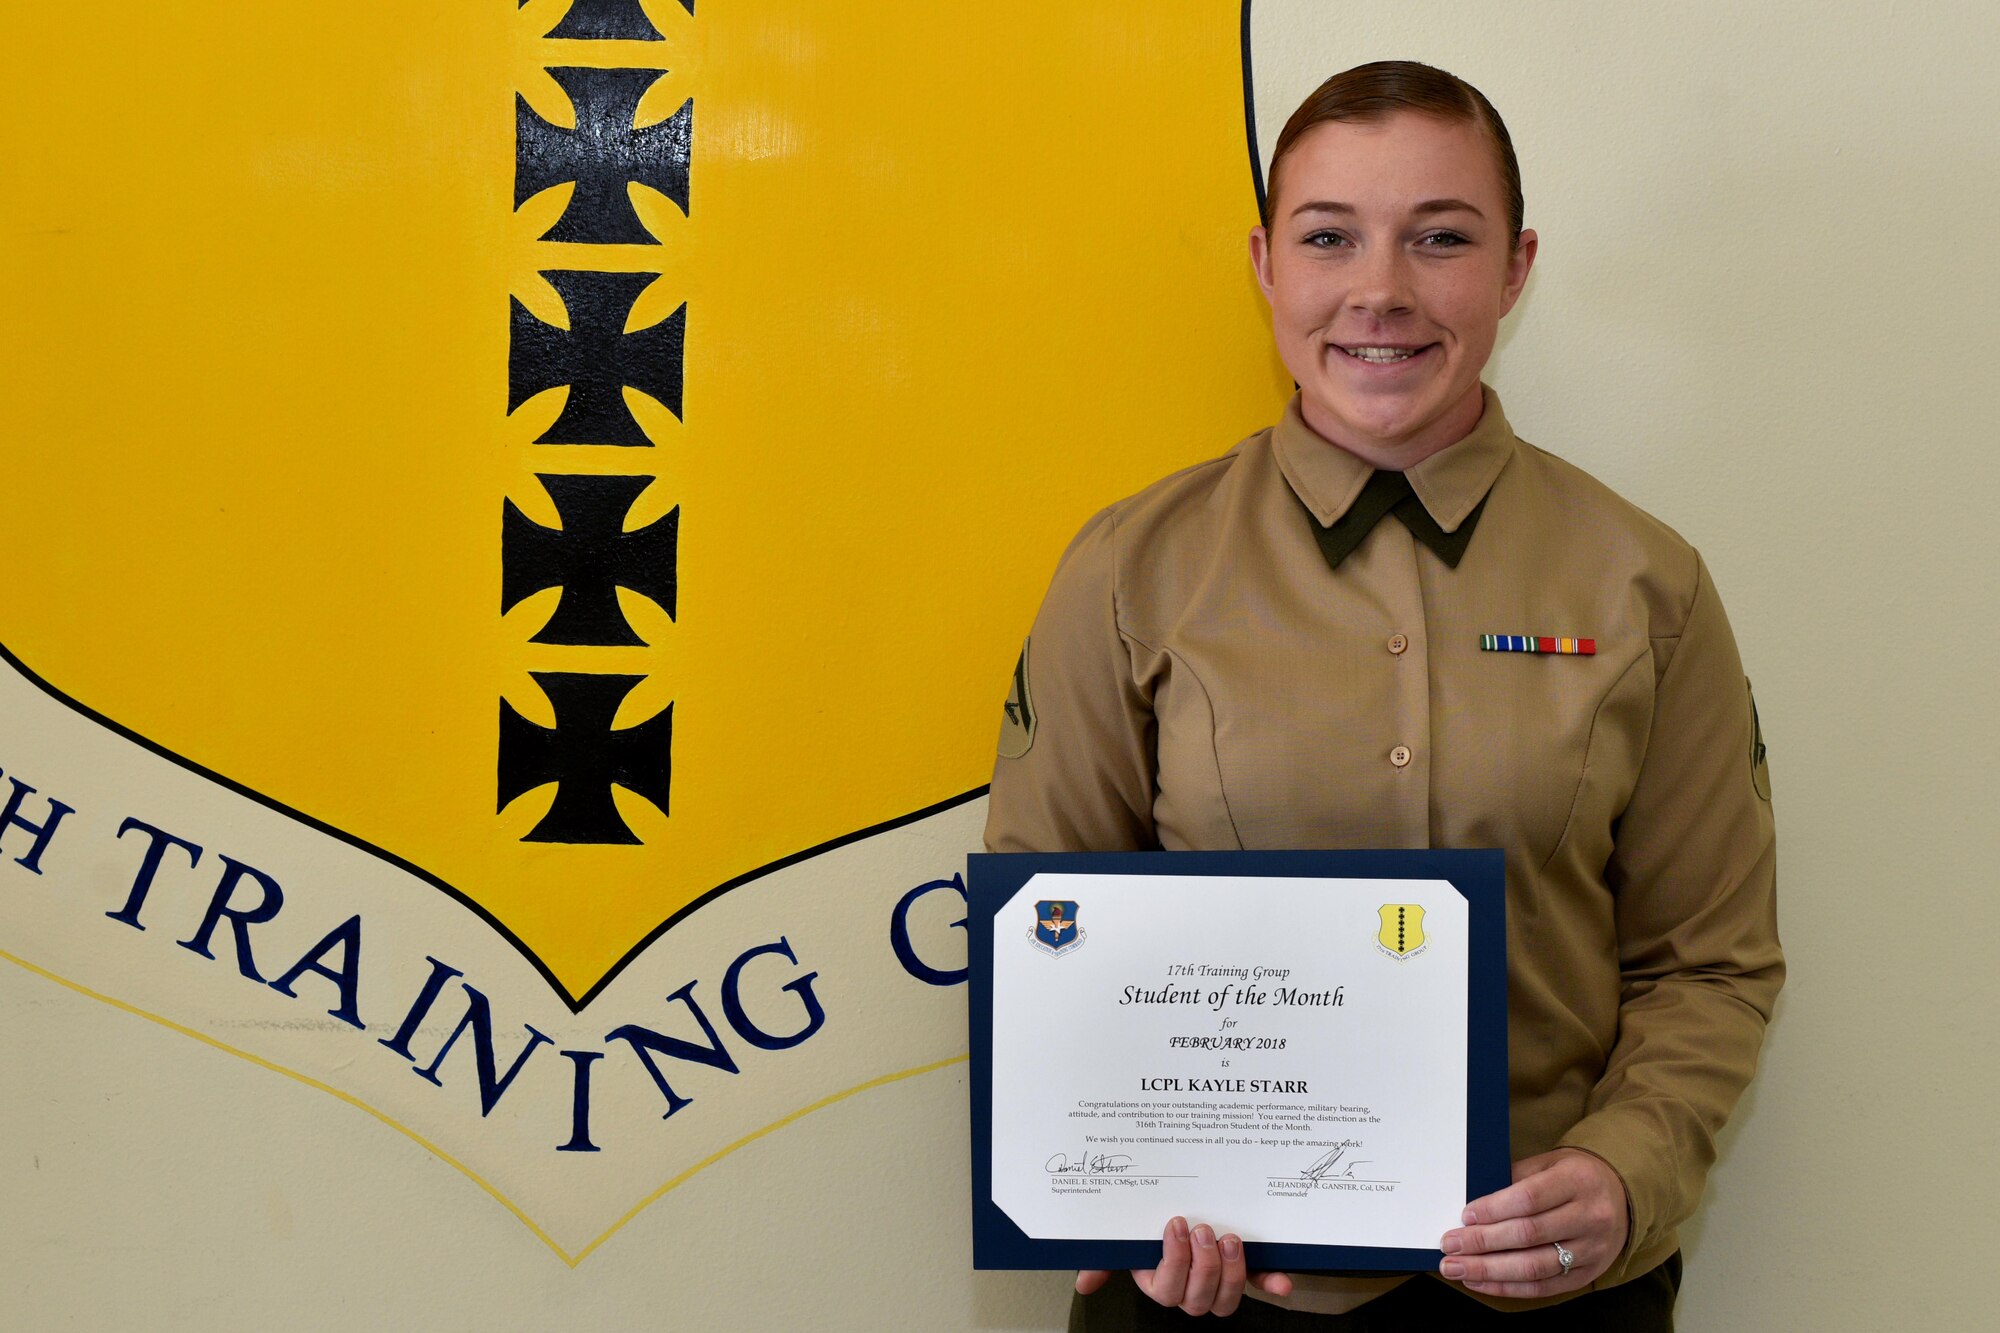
point(1384, 356)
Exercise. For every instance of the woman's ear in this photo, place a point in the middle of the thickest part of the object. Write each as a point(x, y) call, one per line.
point(1260, 258)
point(1518, 264)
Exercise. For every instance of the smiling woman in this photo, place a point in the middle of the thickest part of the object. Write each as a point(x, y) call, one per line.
point(1244, 656)
point(1389, 262)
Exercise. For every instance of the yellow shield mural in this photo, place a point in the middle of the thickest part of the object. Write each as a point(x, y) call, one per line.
point(520, 518)
point(1402, 932)
point(595, 452)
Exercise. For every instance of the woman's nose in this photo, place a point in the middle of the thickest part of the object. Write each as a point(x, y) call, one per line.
point(1382, 286)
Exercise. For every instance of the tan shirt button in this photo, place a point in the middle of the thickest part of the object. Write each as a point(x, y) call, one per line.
point(1397, 644)
point(1400, 756)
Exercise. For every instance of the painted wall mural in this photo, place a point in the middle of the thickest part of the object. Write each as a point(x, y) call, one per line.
point(520, 519)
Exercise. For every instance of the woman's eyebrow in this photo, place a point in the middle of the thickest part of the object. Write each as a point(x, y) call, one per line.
point(1446, 206)
point(1425, 209)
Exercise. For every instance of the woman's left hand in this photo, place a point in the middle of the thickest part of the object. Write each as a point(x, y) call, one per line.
point(1508, 1245)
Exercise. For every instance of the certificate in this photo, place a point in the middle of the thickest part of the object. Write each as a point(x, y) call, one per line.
point(1308, 1049)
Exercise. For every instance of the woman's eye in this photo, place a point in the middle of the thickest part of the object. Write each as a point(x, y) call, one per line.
point(1444, 240)
point(1325, 240)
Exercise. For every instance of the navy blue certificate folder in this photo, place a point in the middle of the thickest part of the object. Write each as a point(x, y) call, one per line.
point(1479, 876)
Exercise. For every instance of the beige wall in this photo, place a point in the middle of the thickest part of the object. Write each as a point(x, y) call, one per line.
point(1763, 310)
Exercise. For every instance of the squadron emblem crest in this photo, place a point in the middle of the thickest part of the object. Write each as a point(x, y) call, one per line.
point(1056, 931)
point(1402, 933)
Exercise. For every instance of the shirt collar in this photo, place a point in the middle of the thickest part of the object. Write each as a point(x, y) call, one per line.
point(1450, 483)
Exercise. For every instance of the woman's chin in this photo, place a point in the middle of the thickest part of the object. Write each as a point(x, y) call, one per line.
point(1374, 423)
point(1381, 419)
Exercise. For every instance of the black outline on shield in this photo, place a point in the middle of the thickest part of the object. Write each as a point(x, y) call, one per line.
point(1250, 114)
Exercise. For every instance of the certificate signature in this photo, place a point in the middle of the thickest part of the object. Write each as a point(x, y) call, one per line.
point(1332, 1158)
point(1108, 1164)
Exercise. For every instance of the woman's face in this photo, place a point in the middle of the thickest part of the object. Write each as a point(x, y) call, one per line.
point(1388, 266)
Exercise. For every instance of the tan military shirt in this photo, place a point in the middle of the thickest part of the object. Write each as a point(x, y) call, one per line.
point(1199, 678)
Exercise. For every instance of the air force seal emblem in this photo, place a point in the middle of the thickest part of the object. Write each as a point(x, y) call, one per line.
point(1056, 931)
point(1402, 933)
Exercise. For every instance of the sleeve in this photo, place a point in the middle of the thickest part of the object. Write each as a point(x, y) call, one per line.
point(1076, 766)
point(1694, 876)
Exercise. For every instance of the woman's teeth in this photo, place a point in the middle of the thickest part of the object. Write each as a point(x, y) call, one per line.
point(1380, 355)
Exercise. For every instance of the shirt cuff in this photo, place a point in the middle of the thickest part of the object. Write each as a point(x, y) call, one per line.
point(1627, 1146)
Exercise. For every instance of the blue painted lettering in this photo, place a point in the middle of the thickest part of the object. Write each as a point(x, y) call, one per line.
point(479, 1018)
point(346, 935)
point(579, 1115)
point(647, 1043)
point(43, 833)
point(899, 935)
point(732, 1002)
point(157, 842)
point(420, 1010)
point(240, 918)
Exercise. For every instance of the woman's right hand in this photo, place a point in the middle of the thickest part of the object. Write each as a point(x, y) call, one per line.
point(1198, 1273)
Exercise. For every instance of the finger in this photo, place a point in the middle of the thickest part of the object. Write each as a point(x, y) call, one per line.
point(1540, 1264)
point(1536, 1192)
point(1530, 1289)
point(1168, 1283)
point(1090, 1279)
point(1205, 1277)
point(1229, 1290)
point(1278, 1284)
point(1519, 1233)
point(1528, 1166)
